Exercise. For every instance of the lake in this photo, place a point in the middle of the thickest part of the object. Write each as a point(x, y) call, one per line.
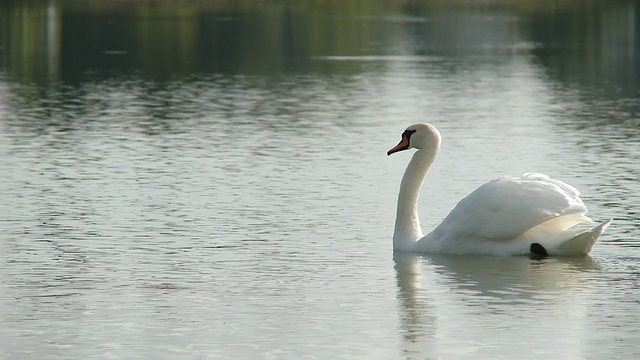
point(209, 179)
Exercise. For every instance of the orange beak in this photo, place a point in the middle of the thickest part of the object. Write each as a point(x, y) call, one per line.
point(402, 145)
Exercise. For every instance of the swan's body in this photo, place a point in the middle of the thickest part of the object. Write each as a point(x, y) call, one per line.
point(502, 217)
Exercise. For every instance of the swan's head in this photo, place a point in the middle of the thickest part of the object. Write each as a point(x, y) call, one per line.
point(418, 136)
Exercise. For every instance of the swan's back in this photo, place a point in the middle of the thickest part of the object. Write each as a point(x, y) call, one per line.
point(508, 214)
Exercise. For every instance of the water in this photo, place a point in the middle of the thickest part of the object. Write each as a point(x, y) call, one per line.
point(220, 189)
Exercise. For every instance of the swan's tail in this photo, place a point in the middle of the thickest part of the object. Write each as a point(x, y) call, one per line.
point(583, 242)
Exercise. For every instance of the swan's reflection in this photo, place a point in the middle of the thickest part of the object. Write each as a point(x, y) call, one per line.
point(502, 277)
point(496, 302)
point(417, 321)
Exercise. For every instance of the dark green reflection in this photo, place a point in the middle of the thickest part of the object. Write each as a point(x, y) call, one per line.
point(587, 41)
point(165, 39)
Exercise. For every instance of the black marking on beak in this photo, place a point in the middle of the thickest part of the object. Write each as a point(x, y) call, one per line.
point(404, 143)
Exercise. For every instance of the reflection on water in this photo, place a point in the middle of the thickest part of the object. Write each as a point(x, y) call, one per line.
point(201, 179)
point(587, 42)
point(461, 307)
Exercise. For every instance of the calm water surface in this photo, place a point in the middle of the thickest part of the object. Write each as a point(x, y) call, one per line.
point(221, 189)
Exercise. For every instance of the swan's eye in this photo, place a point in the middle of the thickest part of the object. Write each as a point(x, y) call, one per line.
point(407, 134)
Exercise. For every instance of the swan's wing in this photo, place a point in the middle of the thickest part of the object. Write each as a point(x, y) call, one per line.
point(507, 207)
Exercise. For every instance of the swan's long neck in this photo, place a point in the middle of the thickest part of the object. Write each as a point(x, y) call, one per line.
point(407, 229)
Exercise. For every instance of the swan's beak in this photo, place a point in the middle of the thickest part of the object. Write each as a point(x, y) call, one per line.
point(402, 145)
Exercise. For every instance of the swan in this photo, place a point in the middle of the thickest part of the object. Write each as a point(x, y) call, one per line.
point(530, 214)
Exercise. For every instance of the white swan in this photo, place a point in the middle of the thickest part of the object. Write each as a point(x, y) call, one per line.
point(506, 216)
